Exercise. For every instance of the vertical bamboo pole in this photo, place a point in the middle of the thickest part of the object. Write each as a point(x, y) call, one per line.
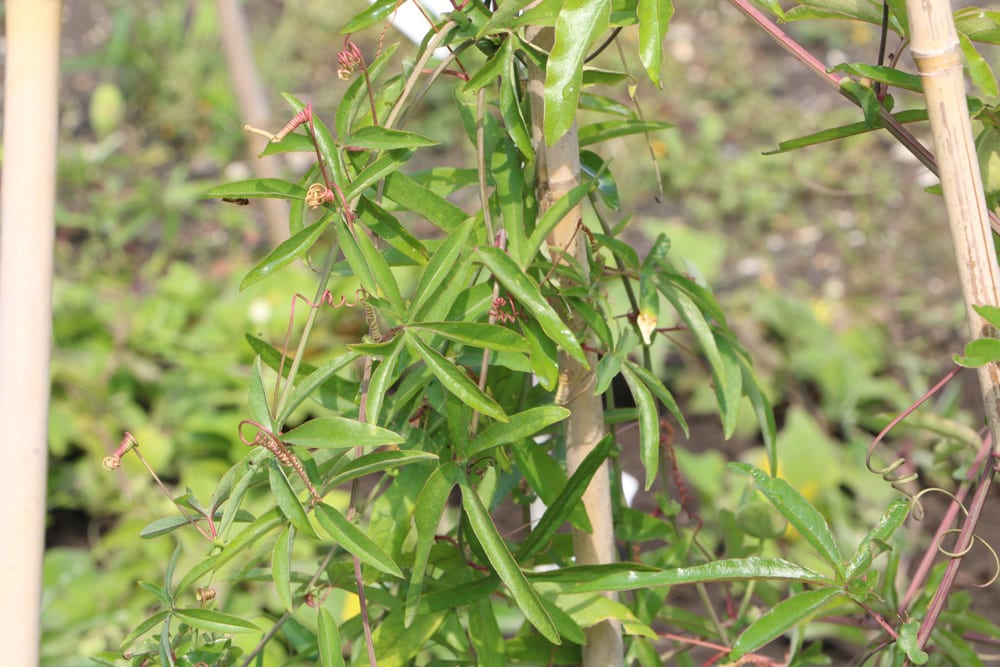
point(936, 52)
point(558, 171)
point(935, 48)
point(27, 207)
point(252, 99)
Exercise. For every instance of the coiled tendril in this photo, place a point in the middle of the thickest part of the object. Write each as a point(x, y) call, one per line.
point(269, 441)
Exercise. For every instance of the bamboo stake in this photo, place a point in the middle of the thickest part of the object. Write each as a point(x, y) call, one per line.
point(936, 53)
point(558, 171)
point(252, 99)
point(27, 208)
point(935, 48)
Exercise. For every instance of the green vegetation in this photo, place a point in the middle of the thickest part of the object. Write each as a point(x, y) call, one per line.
point(846, 312)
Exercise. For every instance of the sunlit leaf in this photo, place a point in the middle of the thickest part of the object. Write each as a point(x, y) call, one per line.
point(211, 620)
point(287, 252)
point(781, 618)
point(257, 188)
point(579, 24)
point(560, 509)
point(375, 137)
point(529, 296)
point(355, 541)
point(803, 516)
point(328, 640)
point(612, 129)
point(340, 433)
point(649, 426)
point(455, 379)
point(288, 502)
point(281, 560)
point(520, 425)
point(506, 567)
point(654, 20)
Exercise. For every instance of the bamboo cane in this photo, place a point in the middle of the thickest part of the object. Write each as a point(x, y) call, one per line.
point(27, 207)
point(935, 48)
point(558, 171)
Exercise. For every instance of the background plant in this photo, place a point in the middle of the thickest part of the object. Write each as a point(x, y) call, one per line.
point(822, 307)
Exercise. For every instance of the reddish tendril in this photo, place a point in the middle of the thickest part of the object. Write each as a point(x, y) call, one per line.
point(496, 312)
point(303, 116)
point(349, 58)
point(269, 441)
point(114, 461)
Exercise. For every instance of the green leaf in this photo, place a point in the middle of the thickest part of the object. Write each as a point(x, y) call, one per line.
point(506, 567)
point(257, 397)
point(979, 68)
point(384, 282)
point(375, 137)
point(313, 381)
point(381, 380)
point(439, 269)
point(876, 541)
point(412, 196)
point(504, 16)
point(476, 334)
point(989, 313)
point(907, 641)
point(210, 620)
point(803, 516)
point(626, 577)
point(263, 525)
point(612, 129)
point(378, 461)
point(354, 540)
point(257, 188)
point(143, 628)
point(340, 433)
point(281, 561)
point(649, 426)
point(866, 98)
point(594, 167)
point(881, 74)
point(660, 392)
point(397, 645)
point(427, 513)
point(287, 251)
point(292, 143)
point(288, 502)
point(654, 20)
point(547, 478)
point(485, 635)
point(765, 415)
point(387, 163)
point(493, 68)
point(455, 379)
point(386, 227)
point(853, 129)
point(521, 425)
point(529, 296)
point(729, 390)
point(376, 13)
point(552, 217)
point(328, 640)
point(781, 618)
point(699, 327)
point(579, 24)
point(508, 177)
point(979, 352)
point(324, 140)
point(981, 25)
point(568, 499)
point(513, 114)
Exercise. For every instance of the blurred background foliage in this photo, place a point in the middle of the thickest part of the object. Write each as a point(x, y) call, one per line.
point(831, 263)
